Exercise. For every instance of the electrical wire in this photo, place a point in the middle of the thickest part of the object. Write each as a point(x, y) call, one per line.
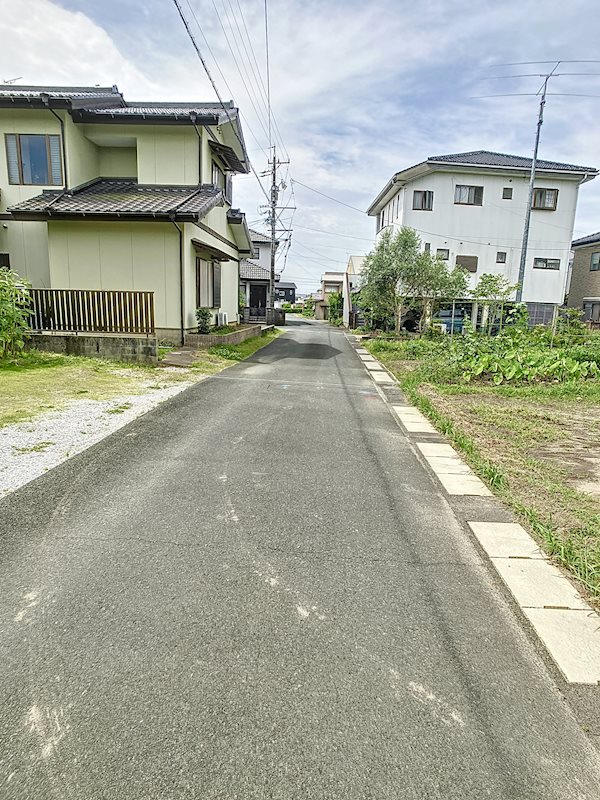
point(214, 86)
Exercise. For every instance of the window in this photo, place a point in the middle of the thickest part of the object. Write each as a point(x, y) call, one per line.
point(546, 263)
point(594, 262)
point(422, 201)
point(4, 261)
point(216, 282)
point(34, 159)
point(208, 283)
point(468, 263)
point(500, 257)
point(443, 253)
point(545, 199)
point(507, 193)
point(427, 247)
point(218, 176)
point(591, 311)
point(468, 195)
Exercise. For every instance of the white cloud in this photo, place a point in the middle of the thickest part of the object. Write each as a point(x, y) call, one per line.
point(359, 90)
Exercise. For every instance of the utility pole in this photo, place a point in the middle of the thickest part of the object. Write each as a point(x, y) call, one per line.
point(540, 122)
point(273, 219)
point(274, 164)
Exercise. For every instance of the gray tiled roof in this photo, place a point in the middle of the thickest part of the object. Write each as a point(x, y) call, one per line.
point(259, 237)
point(592, 238)
point(487, 158)
point(114, 197)
point(74, 96)
point(251, 271)
point(164, 110)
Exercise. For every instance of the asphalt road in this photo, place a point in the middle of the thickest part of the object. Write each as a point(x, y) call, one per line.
point(257, 591)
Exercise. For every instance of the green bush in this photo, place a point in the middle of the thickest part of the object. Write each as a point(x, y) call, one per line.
point(226, 351)
point(15, 307)
point(204, 317)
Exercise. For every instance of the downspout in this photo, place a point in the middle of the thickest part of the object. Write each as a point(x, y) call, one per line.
point(46, 101)
point(193, 117)
point(181, 282)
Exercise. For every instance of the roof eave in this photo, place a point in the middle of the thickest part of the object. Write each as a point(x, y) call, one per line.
point(450, 166)
point(141, 119)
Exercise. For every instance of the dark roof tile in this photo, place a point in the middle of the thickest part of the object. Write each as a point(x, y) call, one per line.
point(591, 238)
point(112, 197)
point(487, 158)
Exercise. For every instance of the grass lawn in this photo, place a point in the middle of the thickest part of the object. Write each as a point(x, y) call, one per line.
point(38, 382)
point(536, 445)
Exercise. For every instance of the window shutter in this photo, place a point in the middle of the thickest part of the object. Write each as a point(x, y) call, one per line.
point(12, 157)
point(55, 160)
point(216, 285)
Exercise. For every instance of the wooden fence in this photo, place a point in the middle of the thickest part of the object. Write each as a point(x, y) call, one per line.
point(92, 311)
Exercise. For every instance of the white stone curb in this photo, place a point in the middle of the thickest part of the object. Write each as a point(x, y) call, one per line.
point(568, 627)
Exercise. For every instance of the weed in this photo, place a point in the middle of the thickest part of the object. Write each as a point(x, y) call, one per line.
point(119, 409)
point(35, 448)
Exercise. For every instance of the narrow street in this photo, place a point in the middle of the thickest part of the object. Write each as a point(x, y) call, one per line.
point(258, 591)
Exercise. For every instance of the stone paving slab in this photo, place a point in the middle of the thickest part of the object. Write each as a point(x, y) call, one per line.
point(381, 377)
point(437, 449)
point(535, 583)
point(573, 639)
point(505, 540)
point(449, 466)
point(463, 484)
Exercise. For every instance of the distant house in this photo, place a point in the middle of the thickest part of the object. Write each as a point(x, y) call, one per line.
point(285, 292)
point(584, 291)
point(331, 282)
point(255, 275)
point(97, 192)
point(469, 209)
point(351, 283)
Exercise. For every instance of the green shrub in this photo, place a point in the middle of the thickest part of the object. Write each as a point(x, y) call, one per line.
point(204, 317)
point(15, 307)
point(226, 351)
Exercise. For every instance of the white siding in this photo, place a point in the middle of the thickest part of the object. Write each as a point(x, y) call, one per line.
point(495, 226)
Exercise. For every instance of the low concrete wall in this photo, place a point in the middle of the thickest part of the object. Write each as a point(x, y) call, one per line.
point(213, 339)
point(135, 349)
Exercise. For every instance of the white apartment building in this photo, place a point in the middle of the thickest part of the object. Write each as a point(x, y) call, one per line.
point(469, 209)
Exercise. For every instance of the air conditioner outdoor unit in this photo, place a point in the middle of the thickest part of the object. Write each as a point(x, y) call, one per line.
point(223, 318)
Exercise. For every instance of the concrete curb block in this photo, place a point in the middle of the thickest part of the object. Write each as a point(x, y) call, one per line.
point(563, 621)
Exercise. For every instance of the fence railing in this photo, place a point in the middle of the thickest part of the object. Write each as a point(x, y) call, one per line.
point(92, 311)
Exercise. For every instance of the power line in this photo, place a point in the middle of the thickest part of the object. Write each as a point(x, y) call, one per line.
point(214, 86)
point(283, 147)
point(268, 71)
point(332, 233)
point(316, 191)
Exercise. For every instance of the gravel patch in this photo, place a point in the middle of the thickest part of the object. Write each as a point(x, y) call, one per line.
point(29, 449)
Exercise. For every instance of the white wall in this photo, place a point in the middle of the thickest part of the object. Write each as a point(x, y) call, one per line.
point(495, 226)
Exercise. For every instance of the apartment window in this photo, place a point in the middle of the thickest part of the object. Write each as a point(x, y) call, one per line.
point(218, 176)
point(422, 201)
point(468, 263)
point(507, 193)
point(442, 253)
point(594, 262)
point(427, 247)
point(500, 257)
point(208, 283)
point(34, 159)
point(546, 263)
point(545, 199)
point(4, 261)
point(468, 195)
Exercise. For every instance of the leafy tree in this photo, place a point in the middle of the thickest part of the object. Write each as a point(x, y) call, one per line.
point(399, 276)
point(494, 291)
point(335, 302)
point(15, 308)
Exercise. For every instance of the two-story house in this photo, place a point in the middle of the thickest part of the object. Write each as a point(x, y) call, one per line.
point(584, 290)
point(255, 276)
point(469, 209)
point(100, 193)
point(331, 283)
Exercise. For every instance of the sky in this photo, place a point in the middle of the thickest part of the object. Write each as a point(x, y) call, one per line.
point(359, 90)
